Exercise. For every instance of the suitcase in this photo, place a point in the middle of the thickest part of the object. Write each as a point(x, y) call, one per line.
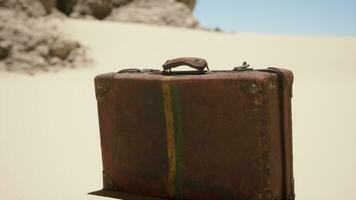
point(199, 134)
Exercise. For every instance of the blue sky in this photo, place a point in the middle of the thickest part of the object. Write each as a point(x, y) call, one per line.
point(295, 17)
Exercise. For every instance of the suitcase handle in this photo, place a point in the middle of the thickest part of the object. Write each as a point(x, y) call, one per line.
point(197, 63)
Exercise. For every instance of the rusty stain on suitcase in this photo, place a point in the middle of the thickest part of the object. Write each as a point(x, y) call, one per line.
point(196, 134)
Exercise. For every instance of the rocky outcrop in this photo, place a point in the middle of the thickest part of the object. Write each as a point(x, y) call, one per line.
point(167, 12)
point(31, 45)
point(4, 52)
point(189, 3)
point(62, 49)
point(66, 6)
point(161, 12)
point(48, 5)
point(118, 3)
point(99, 9)
point(29, 8)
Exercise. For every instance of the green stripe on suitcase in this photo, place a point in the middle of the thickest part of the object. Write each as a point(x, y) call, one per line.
point(172, 108)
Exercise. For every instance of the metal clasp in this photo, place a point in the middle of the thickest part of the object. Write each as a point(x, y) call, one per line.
point(243, 67)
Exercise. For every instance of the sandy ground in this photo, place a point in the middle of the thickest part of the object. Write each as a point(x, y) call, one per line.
point(49, 136)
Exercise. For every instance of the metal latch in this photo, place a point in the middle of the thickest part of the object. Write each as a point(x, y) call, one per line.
point(243, 67)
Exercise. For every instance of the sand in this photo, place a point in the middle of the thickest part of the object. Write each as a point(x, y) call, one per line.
point(49, 135)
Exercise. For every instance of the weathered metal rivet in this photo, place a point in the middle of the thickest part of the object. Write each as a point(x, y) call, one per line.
point(253, 88)
point(100, 85)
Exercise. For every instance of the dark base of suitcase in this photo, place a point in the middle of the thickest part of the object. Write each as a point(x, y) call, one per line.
point(122, 195)
point(128, 196)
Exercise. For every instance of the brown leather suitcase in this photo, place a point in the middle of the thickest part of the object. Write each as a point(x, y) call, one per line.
point(197, 134)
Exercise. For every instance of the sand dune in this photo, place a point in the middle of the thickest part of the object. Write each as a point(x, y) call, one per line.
point(49, 136)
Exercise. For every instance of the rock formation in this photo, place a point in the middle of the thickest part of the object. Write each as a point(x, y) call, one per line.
point(166, 12)
point(161, 12)
point(33, 44)
point(30, 43)
point(189, 3)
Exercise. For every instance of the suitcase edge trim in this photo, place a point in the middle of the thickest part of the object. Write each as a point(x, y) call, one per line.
point(286, 82)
